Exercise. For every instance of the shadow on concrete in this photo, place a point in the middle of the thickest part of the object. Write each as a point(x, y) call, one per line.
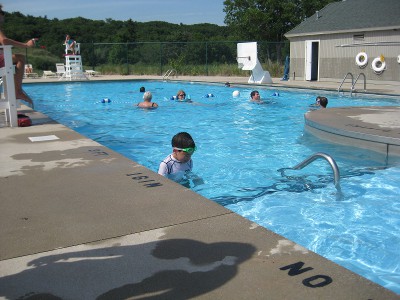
point(168, 269)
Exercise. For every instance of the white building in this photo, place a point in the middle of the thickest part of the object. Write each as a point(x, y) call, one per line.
point(357, 36)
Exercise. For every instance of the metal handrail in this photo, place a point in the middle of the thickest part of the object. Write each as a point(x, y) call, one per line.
point(352, 81)
point(354, 84)
point(329, 159)
point(168, 73)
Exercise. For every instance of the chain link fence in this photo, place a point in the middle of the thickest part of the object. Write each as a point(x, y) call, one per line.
point(155, 58)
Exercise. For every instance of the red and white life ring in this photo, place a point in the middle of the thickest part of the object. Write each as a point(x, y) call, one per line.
point(362, 59)
point(378, 64)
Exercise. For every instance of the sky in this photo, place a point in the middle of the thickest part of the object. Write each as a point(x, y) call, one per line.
point(173, 11)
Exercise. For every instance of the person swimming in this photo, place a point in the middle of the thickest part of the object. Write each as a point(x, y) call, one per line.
point(147, 96)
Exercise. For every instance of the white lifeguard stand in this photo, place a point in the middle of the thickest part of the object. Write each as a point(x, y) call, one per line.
point(247, 60)
point(73, 68)
point(73, 65)
point(8, 99)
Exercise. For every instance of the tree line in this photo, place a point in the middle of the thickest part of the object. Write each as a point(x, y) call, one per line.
point(51, 33)
point(112, 42)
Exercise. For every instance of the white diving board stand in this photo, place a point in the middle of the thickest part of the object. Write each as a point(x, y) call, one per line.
point(247, 60)
point(8, 99)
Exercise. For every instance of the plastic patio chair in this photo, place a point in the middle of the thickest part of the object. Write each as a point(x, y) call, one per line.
point(60, 70)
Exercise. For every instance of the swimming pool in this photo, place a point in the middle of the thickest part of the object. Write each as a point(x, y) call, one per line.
point(241, 147)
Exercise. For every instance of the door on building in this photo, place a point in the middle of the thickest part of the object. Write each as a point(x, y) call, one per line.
point(312, 58)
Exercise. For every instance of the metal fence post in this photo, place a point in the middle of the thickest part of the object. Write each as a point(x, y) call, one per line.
point(161, 64)
point(127, 58)
point(94, 57)
point(206, 59)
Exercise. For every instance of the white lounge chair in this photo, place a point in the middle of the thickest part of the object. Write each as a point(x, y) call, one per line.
point(29, 72)
point(92, 73)
point(47, 74)
point(60, 70)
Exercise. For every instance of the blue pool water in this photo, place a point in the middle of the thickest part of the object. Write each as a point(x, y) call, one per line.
point(241, 147)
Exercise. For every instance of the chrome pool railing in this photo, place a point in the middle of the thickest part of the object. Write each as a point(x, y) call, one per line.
point(169, 73)
point(355, 81)
point(352, 81)
point(328, 158)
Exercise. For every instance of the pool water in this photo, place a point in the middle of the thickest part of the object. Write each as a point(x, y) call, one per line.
point(241, 148)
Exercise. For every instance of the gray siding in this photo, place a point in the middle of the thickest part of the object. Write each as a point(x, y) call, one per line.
point(335, 61)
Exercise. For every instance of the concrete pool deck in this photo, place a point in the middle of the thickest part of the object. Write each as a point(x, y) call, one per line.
point(79, 221)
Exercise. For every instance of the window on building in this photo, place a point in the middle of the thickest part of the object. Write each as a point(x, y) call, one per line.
point(358, 37)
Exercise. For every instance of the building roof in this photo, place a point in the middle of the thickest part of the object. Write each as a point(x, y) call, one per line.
point(351, 16)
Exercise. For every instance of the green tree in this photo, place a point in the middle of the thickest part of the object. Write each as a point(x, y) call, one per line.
point(122, 44)
point(268, 20)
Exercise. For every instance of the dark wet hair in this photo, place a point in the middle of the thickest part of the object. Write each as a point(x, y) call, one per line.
point(142, 89)
point(183, 140)
point(253, 93)
point(323, 101)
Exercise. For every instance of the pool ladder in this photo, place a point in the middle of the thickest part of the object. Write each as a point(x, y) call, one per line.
point(169, 73)
point(353, 82)
point(328, 158)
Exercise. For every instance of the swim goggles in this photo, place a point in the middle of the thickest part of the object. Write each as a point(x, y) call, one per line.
point(189, 150)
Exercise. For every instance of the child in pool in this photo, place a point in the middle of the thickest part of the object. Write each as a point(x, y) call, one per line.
point(179, 162)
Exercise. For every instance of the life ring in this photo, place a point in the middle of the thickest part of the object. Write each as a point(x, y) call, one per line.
point(362, 59)
point(379, 64)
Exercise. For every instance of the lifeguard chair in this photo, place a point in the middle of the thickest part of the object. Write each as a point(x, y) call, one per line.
point(73, 65)
point(247, 60)
point(73, 68)
point(77, 49)
point(8, 99)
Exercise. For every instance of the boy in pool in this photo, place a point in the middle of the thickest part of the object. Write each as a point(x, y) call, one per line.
point(255, 97)
point(179, 162)
point(322, 102)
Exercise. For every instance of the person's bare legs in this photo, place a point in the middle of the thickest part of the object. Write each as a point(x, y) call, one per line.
point(19, 61)
point(72, 47)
